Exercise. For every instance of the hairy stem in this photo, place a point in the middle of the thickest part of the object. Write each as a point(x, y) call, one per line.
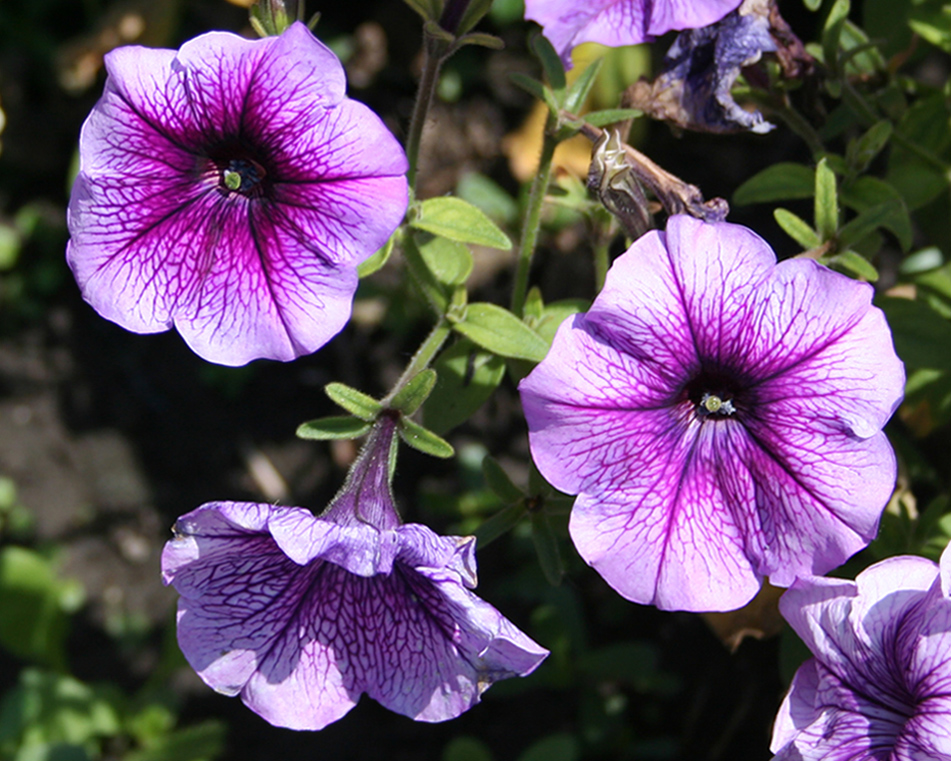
point(529, 237)
point(423, 357)
point(432, 62)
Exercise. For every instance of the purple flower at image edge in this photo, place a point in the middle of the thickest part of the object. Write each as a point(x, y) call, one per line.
point(230, 189)
point(719, 416)
point(301, 615)
point(879, 684)
point(567, 23)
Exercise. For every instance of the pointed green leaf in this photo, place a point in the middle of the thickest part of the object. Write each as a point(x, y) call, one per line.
point(473, 15)
point(482, 40)
point(855, 264)
point(435, 292)
point(448, 260)
point(827, 202)
point(502, 333)
point(536, 88)
point(611, 115)
point(868, 193)
point(499, 482)
point(551, 64)
point(355, 402)
point(796, 228)
point(424, 440)
point(499, 524)
point(430, 10)
point(533, 303)
point(458, 220)
point(556, 313)
point(891, 215)
point(861, 151)
point(832, 33)
point(489, 196)
point(578, 92)
point(467, 376)
point(779, 182)
point(409, 398)
point(327, 428)
point(547, 549)
point(379, 259)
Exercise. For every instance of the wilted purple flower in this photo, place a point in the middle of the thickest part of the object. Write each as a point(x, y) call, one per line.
point(719, 416)
point(567, 23)
point(229, 189)
point(693, 90)
point(879, 686)
point(301, 615)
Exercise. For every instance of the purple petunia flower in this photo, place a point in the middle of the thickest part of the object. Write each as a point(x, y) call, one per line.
point(719, 416)
point(230, 189)
point(301, 615)
point(567, 23)
point(879, 686)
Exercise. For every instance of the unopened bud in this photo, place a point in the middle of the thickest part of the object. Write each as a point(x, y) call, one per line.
point(612, 178)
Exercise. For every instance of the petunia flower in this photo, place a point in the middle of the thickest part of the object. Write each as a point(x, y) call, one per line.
point(879, 684)
point(301, 615)
point(567, 23)
point(719, 416)
point(230, 189)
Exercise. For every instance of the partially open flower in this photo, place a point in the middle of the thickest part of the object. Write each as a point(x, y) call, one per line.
point(230, 189)
point(567, 23)
point(719, 416)
point(301, 615)
point(878, 684)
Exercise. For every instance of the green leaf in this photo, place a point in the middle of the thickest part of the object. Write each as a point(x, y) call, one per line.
point(547, 549)
point(499, 482)
point(466, 749)
point(922, 336)
point(430, 10)
point(199, 742)
point(551, 64)
point(489, 196)
point(933, 24)
point(861, 151)
point(578, 92)
point(832, 33)
point(327, 428)
point(854, 264)
point(409, 398)
point(467, 376)
point(458, 220)
point(355, 402)
point(812, 5)
point(827, 202)
point(448, 260)
point(502, 333)
point(556, 313)
point(473, 15)
point(424, 440)
point(34, 621)
point(891, 215)
point(481, 40)
point(779, 182)
point(608, 116)
point(499, 524)
point(435, 292)
point(379, 259)
point(536, 88)
point(797, 228)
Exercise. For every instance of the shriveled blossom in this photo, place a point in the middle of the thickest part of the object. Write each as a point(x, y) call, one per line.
point(230, 189)
point(694, 88)
point(567, 23)
point(719, 416)
point(301, 615)
point(879, 684)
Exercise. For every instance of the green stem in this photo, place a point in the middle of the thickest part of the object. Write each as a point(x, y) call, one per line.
point(423, 356)
point(424, 98)
point(601, 263)
point(529, 237)
point(801, 126)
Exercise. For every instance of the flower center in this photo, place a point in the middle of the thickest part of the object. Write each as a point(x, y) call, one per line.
point(241, 176)
point(716, 394)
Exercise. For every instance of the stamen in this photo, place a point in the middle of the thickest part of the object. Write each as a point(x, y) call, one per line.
point(711, 403)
